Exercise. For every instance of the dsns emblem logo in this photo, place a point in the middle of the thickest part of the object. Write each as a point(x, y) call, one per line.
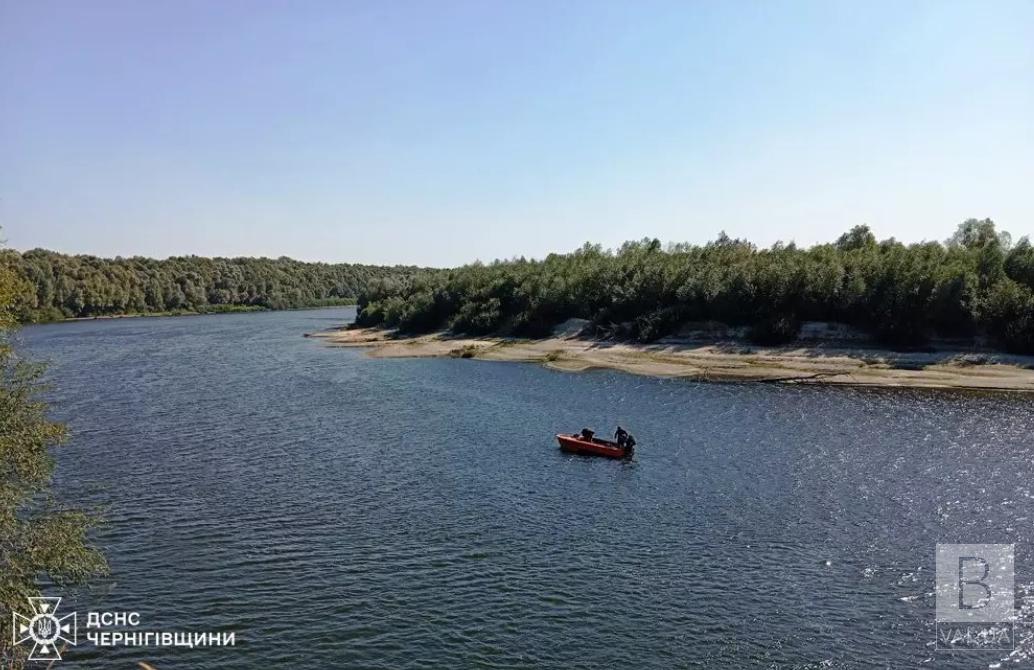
point(44, 629)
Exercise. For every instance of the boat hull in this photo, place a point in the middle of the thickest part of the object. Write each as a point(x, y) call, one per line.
point(597, 447)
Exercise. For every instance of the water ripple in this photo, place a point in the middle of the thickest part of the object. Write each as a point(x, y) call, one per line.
point(341, 511)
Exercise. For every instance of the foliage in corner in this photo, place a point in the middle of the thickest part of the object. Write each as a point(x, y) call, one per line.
point(39, 538)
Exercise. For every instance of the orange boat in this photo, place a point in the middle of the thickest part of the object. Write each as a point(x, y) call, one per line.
point(576, 444)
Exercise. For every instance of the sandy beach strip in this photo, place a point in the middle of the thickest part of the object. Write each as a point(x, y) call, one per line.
point(823, 364)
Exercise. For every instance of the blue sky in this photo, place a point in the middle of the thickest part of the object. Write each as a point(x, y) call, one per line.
point(438, 132)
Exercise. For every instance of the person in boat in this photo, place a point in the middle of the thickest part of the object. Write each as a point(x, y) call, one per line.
point(621, 435)
point(587, 434)
point(629, 442)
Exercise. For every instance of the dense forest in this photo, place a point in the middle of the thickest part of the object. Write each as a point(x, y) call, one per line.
point(975, 283)
point(55, 286)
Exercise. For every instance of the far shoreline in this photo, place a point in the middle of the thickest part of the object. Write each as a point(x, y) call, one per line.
point(827, 363)
point(214, 312)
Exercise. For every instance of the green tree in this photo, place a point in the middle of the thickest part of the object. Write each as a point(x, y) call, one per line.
point(39, 538)
point(901, 294)
point(975, 233)
point(83, 286)
point(859, 237)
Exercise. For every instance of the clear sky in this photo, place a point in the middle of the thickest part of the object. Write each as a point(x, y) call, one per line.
point(438, 132)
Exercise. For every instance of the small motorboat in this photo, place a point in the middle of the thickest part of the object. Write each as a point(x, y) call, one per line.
point(593, 446)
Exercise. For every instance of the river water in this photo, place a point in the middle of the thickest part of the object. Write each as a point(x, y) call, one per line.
point(335, 510)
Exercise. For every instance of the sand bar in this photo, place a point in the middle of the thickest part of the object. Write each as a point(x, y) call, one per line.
point(826, 363)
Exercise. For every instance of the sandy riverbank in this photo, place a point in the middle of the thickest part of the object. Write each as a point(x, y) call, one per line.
point(825, 363)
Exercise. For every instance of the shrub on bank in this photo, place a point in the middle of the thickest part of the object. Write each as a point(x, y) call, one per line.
point(774, 330)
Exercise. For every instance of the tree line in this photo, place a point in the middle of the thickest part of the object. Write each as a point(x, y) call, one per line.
point(54, 286)
point(977, 283)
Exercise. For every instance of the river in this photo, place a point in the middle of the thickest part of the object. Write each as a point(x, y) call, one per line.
point(335, 510)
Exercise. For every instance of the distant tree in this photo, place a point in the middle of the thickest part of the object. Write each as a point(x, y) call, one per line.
point(84, 286)
point(859, 237)
point(976, 233)
point(901, 294)
point(1019, 263)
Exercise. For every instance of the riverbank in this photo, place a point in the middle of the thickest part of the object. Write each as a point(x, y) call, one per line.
point(144, 315)
point(232, 309)
point(840, 363)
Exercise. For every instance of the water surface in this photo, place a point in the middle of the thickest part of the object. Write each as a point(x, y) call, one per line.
point(341, 511)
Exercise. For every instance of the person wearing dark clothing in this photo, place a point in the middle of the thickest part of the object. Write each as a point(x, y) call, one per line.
point(629, 442)
point(621, 435)
point(587, 434)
